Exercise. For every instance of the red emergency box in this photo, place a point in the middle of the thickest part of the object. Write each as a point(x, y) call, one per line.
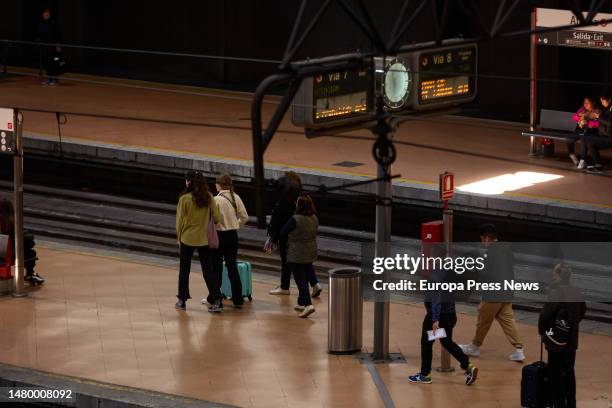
point(432, 235)
point(432, 232)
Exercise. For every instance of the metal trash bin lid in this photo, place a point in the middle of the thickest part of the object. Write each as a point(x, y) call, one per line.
point(345, 272)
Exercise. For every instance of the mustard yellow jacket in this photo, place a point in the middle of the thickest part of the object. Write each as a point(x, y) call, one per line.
point(192, 221)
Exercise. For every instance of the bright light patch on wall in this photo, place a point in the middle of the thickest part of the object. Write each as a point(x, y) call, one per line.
point(508, 182)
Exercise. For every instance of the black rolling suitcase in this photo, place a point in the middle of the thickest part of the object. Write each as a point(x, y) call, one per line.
point(534, 384)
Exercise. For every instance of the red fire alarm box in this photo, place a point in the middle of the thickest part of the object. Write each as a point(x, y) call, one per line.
point(432, 235)
point(432, 232)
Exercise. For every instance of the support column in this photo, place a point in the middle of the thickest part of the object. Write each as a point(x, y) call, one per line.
point(18, 290)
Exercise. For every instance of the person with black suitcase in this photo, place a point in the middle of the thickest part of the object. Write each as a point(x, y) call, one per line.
point(559, 326)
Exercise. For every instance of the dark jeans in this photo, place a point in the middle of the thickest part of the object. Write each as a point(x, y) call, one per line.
point(562, 380)
point(571, 148)
point(447, 321)
point(286, 269)
point(301, 273)
point(186, 253)
point(584, 144)
point(228, 252)
point(594, 148)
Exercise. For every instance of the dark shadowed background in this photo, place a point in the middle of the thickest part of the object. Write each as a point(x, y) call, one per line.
point(259, 29)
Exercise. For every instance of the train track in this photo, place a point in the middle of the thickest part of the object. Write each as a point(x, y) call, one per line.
point(148, 227)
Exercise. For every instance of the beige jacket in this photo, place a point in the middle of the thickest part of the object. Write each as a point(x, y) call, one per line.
point(231, 218)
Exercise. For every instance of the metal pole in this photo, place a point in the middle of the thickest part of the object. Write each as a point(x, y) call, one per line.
point(383, 237)
point(533, 113)
point(259, 144)
point(18, 290)
point(447, 222)
point(383, 232)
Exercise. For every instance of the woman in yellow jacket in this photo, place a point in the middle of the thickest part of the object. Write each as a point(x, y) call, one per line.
point(195, 207)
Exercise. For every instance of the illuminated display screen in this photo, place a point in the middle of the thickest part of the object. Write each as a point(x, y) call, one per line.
point(447, 75)
point(341, 95)
point(444, 87)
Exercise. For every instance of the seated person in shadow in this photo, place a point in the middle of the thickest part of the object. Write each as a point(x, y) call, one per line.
point(604, 130)
point(587, 122)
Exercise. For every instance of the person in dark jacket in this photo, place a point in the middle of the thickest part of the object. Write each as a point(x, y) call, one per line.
point(604, 116)
point(7, 227)
point(441, 314)
point(300, 231)
point(49, 55)
point(566, 299)
point(289, 188)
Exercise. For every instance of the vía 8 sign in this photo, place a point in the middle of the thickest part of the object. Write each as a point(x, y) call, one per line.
point(7, 132)
point(447, 75)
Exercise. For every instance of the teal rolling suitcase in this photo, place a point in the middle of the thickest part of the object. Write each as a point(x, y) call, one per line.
point(244, 270)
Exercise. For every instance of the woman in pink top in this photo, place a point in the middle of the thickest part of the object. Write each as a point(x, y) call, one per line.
point(587, 124)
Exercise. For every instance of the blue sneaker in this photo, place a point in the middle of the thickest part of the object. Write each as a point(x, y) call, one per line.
point(420, 378)
point(471, 374)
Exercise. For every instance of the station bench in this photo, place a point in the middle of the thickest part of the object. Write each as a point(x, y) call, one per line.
point(559, 125)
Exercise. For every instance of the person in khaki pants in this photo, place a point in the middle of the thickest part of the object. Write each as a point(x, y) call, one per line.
point(500, 263)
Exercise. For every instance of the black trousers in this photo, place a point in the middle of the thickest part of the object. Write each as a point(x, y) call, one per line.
point(228, 252)
point(186, 254)
point(584, 143)
point(595, 146)
point(571, 148)
point(447, 321)
point(562, 379)
point(286, 269)
point(301, 273)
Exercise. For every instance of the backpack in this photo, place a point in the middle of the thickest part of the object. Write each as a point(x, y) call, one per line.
point(558, 334)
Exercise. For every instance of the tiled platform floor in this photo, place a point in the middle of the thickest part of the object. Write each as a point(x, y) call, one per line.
point(111, 319)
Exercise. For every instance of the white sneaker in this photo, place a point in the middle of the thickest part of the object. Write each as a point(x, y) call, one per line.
point(581, 165)
point(316, 291)
point(574, 159)
point(518, 355)
point(299, 308)
point(470, 349)
point(308, 310)
point(279, 291)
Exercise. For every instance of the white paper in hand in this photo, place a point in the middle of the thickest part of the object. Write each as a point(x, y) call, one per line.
point(438, 334)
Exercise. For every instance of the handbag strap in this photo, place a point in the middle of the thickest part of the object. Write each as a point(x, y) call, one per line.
point(233, 204)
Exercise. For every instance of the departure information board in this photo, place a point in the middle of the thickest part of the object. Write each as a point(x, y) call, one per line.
point(447, 75)
point(344, 94)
